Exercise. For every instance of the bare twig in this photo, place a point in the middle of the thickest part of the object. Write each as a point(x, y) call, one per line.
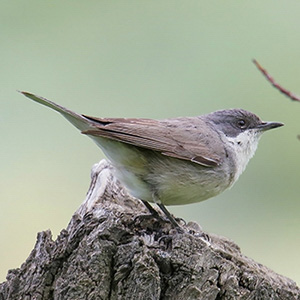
point(281, 89)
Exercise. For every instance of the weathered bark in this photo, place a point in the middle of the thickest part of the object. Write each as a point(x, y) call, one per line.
point(108, 253)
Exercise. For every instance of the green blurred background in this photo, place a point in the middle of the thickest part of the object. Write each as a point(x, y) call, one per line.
point(153, 59)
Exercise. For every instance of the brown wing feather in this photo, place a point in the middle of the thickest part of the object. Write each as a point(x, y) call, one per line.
point(179, 138)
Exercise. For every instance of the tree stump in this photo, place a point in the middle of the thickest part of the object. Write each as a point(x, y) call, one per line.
point(113, 249)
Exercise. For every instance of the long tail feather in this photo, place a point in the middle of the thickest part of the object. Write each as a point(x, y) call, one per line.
point(77, 120)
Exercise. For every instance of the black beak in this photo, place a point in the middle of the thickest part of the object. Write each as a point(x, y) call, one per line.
point(269, 125)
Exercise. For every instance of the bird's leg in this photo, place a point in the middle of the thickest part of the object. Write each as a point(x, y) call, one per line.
point(165, 211)
point(168, 215)
point(153, 212)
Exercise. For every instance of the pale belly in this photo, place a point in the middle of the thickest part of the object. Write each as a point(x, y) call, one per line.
point(153, 177)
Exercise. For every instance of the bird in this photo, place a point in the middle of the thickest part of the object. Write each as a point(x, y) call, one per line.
point(173, 161)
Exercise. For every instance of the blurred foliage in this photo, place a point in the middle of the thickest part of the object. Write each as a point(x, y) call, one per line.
point(153, 59)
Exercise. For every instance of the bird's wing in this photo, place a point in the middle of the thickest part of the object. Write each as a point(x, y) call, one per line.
point(178, 138)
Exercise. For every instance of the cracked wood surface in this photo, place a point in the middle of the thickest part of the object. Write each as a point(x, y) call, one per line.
point(107, 252)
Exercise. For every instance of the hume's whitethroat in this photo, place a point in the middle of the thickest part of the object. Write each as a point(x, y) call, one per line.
point(174, 161)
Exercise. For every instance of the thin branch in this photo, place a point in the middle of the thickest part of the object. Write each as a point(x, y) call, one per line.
point(281, 89)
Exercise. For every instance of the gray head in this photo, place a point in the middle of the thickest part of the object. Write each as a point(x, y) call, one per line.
point(233, 122)
point(240, 131)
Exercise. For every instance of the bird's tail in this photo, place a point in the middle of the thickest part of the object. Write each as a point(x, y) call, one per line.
point(77, 120)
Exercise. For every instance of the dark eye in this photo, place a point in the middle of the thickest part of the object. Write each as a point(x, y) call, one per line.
point(241, 123)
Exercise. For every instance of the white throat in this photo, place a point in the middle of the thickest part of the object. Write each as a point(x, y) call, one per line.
point(244, 146)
